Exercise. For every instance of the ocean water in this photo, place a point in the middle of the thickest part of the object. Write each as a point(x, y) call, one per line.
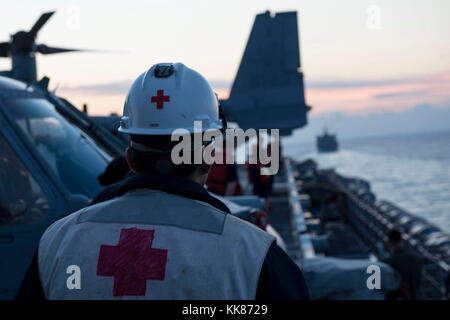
point(412, 171)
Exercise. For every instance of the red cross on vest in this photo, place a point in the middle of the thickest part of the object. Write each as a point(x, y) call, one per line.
point(132, 262)
point(160, 98)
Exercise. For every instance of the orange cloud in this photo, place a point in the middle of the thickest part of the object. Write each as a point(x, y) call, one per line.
point(355, 97)
point(393, 95)
point(98, 104)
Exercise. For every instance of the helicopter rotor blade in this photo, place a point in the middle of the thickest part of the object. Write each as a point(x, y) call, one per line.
point(41, 21)
point(44, 49)
point(4, 49)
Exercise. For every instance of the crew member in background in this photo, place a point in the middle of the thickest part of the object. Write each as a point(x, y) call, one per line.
point(408, 266)
point(163, 236)
point(223, 178)
point(262, 183)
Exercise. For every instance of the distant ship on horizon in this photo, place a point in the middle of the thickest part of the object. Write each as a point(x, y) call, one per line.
point(327, 142)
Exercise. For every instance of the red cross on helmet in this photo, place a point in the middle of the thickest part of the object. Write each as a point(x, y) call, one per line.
point(169, 97)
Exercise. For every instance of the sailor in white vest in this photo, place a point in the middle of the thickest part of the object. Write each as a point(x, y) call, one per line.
point(162, 236)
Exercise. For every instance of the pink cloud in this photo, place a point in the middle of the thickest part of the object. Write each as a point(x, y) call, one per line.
point(393, 95)
point(355, 97)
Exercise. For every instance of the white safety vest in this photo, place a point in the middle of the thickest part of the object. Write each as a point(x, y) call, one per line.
point(150, 244)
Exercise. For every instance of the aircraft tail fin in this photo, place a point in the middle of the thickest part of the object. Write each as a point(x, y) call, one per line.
point(268, 89)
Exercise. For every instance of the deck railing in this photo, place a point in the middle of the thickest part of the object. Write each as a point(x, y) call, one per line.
point(372, 226)
point(306, 246)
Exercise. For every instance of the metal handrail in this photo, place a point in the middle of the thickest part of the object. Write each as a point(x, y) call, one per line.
point(375, 214)
point(296, 210)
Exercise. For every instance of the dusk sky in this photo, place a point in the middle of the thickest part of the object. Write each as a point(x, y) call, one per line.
point(357, 56)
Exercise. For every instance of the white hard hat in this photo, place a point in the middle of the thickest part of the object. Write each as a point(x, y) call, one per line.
point(169, 97)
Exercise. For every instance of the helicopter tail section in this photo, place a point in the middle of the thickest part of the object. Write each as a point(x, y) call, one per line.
point(268, 89)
